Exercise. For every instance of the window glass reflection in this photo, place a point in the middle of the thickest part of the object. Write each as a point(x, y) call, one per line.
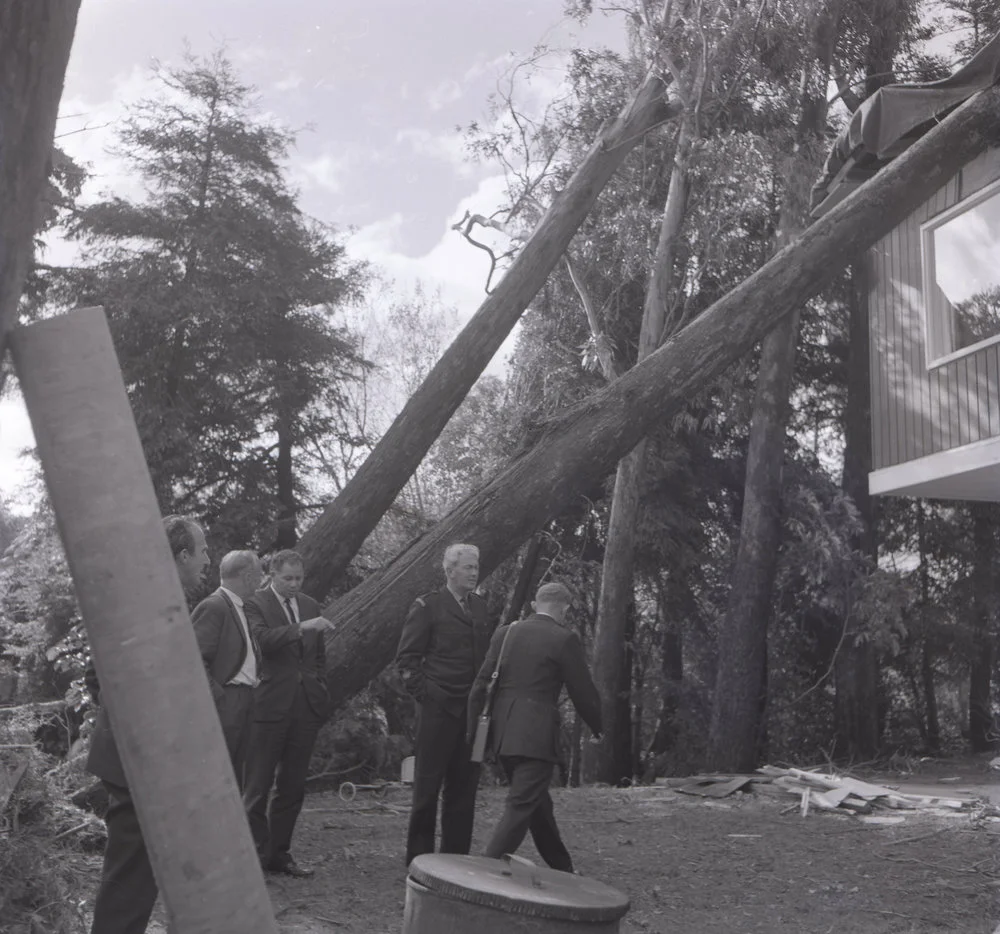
point(967, 270)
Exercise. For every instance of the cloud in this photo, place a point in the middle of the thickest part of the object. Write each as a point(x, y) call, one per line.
point(453, 266)
point(447, 147)
point(444, 94)
point(290, 82)
point(325, 172)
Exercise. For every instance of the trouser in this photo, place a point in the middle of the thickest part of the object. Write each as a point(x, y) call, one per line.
point(127, 891)
point(442, 766)
point(279, 758)
point(529, 807)
point(235, 709)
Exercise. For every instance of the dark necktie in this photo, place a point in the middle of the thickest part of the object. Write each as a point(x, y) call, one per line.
point(291, 612)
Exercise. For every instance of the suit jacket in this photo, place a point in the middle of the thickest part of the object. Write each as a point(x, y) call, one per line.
point(290, 657)
point(541, 656)
point(221, 641)
point(442, 647)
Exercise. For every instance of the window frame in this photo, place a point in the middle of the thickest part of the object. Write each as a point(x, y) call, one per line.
point(936, 324)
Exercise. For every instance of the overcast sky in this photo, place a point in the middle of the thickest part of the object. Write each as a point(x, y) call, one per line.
point(377, 90)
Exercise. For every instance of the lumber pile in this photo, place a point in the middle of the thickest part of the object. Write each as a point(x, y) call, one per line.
point(836, 793)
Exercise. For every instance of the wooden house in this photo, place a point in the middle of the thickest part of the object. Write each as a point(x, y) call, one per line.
point(934, 299)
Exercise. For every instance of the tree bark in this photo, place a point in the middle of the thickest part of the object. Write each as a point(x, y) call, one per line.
point(526, 577)
point(981, 736)
point(606, 761)
point(35, 40)
point(858, 734)
point(735, 731)
point(579, 447)
point(330, 544)
point(927, 647)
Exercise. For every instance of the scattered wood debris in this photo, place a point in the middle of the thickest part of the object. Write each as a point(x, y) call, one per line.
point(816, 790)
point(833, 792)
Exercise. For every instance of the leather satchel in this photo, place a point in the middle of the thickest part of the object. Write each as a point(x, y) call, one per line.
point(485, 718)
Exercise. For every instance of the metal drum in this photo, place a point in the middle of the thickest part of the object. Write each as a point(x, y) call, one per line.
point(448, 894)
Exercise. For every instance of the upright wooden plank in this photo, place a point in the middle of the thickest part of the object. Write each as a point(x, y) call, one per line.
point(152, 677)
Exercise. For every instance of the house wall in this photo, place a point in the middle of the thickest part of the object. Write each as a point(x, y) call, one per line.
point(916, 411)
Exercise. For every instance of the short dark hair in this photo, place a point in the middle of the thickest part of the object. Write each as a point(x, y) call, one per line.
point(280, 558)
point(180, 533)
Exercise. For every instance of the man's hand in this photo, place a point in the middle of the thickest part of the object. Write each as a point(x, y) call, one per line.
point(596, 738)
point(316, 624)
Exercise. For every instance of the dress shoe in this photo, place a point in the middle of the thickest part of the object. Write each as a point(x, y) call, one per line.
point(289, 867)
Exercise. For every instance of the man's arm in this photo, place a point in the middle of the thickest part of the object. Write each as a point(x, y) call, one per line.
point(310, 608)
point(580, 685)
point(413, 645)
point(208, 618)
point(477, 696)
point(271, 639)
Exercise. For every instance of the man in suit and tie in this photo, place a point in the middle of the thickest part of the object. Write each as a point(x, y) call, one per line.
point(128, 890)
point(540, 656)
point(443, 643)
point(290, 706)
point(230, 652)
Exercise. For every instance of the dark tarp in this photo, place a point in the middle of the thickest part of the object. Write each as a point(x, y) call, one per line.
point(893, 118)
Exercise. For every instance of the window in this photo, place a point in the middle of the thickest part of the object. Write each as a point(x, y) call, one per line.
point(961, 259)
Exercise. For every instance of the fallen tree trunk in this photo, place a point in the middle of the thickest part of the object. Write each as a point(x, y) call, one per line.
point(581, 446)
point(35, 39)
point(332, 541)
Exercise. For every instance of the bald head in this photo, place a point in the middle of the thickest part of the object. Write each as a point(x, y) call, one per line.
point(240, 572)
point(553, 600)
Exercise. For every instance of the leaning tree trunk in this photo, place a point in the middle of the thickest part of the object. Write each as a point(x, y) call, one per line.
point(856, 720)
point(578, 448)
point(610, 760)
point(35, 40)
point(981, 736)
point(734, 734)
point(335, 538)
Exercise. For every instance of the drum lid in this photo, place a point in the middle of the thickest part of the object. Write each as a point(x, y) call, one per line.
point(519, 887)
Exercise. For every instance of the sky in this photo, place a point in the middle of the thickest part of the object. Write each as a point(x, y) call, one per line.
point(376, 90)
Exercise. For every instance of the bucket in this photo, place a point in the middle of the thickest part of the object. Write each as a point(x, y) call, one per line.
point(406, 770)
point(447, 894)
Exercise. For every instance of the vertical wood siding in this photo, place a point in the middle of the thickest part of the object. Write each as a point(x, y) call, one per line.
point(916, 411)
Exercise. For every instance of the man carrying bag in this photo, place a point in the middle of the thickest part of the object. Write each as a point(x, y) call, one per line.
point(518, 687)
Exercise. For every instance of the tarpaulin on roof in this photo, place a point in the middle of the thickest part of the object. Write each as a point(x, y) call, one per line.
point(893, 118)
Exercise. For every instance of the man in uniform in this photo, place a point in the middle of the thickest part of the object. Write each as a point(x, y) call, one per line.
point(539, 657)
point(443, 644)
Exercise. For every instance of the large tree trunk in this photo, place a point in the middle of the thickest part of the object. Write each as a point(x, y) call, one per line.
point(35, 39)
point(579, 447)
point(735, 731)
point(606, 761)
point(856, 670)
point(933, 727)
point(335, 538)
point(981, 669)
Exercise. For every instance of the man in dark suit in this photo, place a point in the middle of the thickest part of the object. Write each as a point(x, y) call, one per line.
point(289, 708)
point(127, 891)
point(230, 652)
point(444, 642)
point(539, 658)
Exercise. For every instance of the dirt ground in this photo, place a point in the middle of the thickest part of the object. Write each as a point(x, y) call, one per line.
point(690, 865)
